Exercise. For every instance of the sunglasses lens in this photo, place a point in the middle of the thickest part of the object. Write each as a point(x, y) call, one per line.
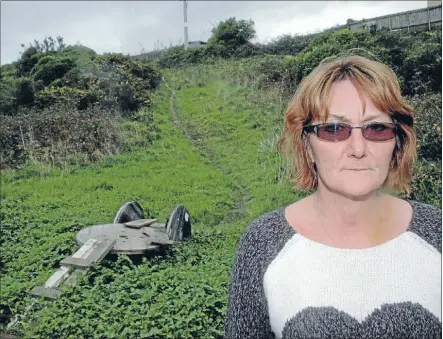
point(379, 132)
point(334, 132)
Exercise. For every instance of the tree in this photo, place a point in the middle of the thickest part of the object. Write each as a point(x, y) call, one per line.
point(230, 35)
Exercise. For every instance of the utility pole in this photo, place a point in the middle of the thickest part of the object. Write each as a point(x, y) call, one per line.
point(185, 15)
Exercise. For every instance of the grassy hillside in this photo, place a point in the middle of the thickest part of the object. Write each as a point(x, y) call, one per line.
point(206, 138)
point(216, 155)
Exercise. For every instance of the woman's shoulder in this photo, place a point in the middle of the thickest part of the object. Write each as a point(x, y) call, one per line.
point(426, 215)
point(267, 230)
point(267, 223)
point(426, 222)
point(425, 208)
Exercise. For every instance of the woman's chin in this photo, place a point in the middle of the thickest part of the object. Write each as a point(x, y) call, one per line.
point(356, 190)
point(354, 186)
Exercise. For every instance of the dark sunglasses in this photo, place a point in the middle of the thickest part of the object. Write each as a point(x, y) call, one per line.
point(337, 131)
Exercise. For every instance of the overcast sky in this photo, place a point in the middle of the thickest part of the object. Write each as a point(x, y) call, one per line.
point(130, 26)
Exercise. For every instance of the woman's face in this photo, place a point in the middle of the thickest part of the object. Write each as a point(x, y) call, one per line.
point(354, 167)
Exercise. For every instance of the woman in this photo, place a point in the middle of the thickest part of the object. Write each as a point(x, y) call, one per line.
point(350, 260)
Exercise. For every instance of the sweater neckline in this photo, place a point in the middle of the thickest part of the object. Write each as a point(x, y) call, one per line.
point(289, 228)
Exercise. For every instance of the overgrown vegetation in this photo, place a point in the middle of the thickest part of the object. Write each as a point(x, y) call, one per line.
point(53, 92)
point(206, 138)
point(427, 180)
point(414, 56)
point(182, 294)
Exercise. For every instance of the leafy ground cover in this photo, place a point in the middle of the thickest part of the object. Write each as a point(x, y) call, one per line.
point(215, 154)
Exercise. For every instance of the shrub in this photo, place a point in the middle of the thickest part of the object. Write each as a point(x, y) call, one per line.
point(421, 67)
point(7, 96)
point(55, 134)
point(263, 71)
point(69, 95)
point(15, 92)
point(287, 45)
point(124, 82)
point(300, 66)
point(426, 182)
point(8, 70)
point(428, 125)
point(24, 92)
point(172, 57)
point(177, 56)
point(248, 50)
point(415, 57)
point(50, 68)
point(78, 75)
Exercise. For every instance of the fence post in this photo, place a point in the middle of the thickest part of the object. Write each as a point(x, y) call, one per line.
point(408, 21)
point(429, 19)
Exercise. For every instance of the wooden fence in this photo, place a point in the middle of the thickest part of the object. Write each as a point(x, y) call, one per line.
point(429, 16)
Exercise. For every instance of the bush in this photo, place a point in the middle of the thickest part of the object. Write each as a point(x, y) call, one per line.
point(8, 70)
point(15, 92)
point(263, 72)
point(7, 95)
point(77, 75)
point(123, 83)
point(24, 92)
point(248, 50)
point(54, 135)
point(69, 95)
point(172, 57)
point(50, 68)
point(287, 45)
point(415, 57)
point(53, 73)
point(177, 56)
point(426, 183)
point(428, 125)
point(422, 66)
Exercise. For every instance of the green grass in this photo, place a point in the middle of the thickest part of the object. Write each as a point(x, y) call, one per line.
point(216, 155)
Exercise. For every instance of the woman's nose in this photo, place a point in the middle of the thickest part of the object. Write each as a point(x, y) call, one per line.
point(357, 144)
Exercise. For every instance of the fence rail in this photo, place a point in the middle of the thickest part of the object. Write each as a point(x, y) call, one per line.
point(429, 16)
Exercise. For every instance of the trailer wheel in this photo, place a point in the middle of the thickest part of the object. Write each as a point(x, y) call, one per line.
point(178, 225)
point(129, 211)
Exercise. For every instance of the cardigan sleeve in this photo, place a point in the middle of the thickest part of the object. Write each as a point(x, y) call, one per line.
point(247, 312)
